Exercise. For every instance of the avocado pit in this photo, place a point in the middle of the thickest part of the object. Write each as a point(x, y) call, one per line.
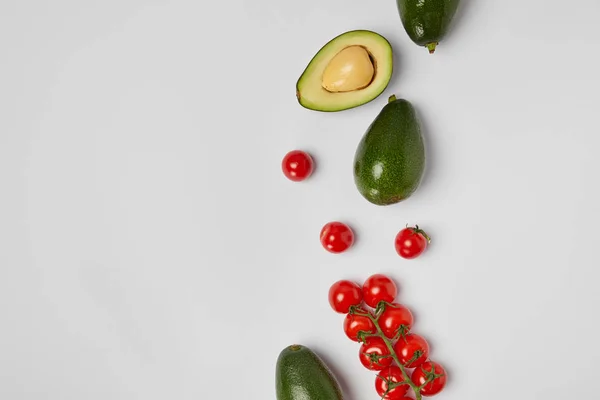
point(349, 70)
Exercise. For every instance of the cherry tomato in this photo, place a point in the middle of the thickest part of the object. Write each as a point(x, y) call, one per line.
point(374, 354)
point(344, 294)
point(412, 350)
point(356, 323)
point(395, 320)
point(432, 372)
point(336, 237)
point(378, 288)
point(297, 165)
point(391, 375)
point(411, 242)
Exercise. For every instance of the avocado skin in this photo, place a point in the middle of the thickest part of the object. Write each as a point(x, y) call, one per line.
point(427, 21)
point(301, 375)
point(390, 159)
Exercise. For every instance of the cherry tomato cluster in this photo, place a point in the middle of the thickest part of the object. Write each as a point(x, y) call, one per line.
point(388, 345)
point(337, 237)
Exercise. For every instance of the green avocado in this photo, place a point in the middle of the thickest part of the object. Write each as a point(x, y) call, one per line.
point(390, 159)
point(348, 71)
point(427, 21)
point(301, 375)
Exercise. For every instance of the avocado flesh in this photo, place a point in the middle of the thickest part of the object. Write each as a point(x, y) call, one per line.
point(301, 375)
point(313, 96)
point(390, 159)
point(427, 21)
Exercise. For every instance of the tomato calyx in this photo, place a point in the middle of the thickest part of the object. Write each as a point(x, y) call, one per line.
point(416, 355)
point(375, 358)
point(416, 231)
point(430, 376)
point(381, 306)
point(402, 332)
point(391, 385)
point(363, 336)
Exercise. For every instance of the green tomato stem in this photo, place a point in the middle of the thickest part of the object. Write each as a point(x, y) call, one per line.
point(418, 230)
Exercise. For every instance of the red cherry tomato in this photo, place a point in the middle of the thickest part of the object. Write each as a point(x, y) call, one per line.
point(353, 324)
point(411, 242)
point(378, 288)
point(374, 354)
point(395, 320)
point(412, 350)
point(344, 294)
point(432, 372)
point(386, 381)
point(297, 165)
point(336, 237)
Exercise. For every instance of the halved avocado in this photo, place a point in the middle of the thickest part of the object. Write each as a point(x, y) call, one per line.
point(352, 69)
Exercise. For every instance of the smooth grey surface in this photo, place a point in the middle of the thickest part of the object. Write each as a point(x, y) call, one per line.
point(150, 247)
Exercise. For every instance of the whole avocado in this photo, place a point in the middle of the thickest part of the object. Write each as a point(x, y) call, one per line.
point(301, 375)
point(390, 159)
point(427, 21)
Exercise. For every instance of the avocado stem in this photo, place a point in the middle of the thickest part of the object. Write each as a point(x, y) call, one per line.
point(392, 98)
point(431, 47)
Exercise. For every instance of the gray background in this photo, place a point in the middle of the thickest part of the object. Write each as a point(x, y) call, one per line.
point(150, 247)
